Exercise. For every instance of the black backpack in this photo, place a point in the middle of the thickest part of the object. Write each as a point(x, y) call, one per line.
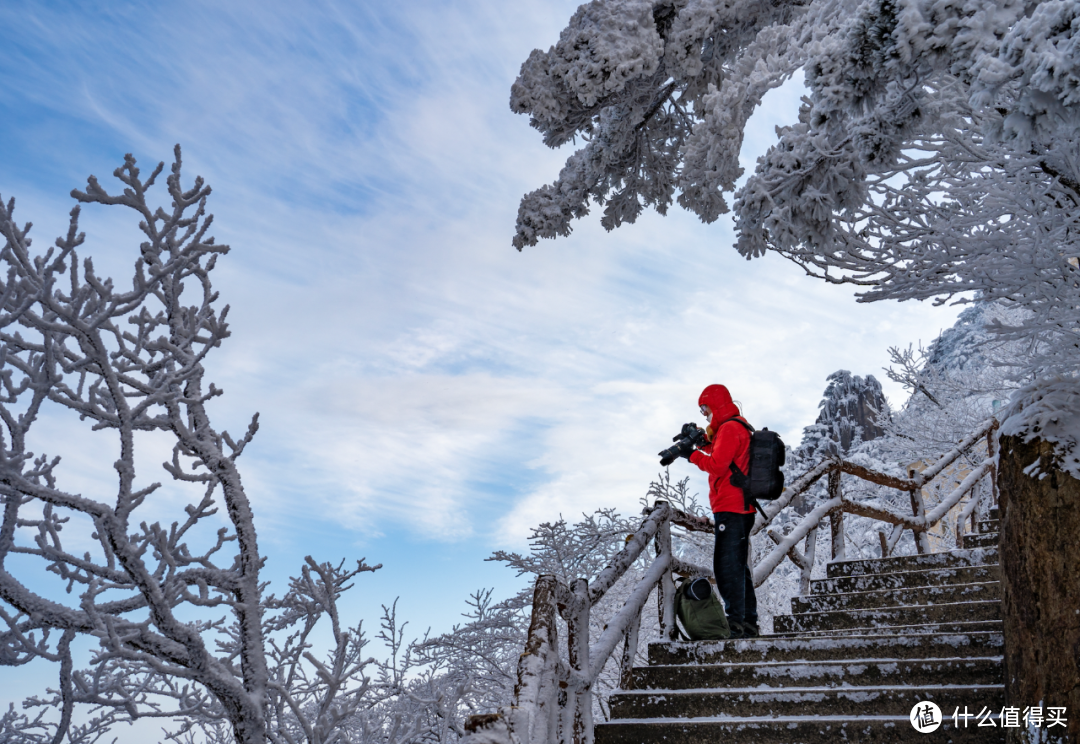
point(765, 481)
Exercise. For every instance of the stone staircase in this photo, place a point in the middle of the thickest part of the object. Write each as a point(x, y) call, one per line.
point(871, 640)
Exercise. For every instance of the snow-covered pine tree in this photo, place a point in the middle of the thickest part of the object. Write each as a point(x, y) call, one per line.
point(853, 410)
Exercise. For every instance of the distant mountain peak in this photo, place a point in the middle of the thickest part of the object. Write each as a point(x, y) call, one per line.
point(851, 411)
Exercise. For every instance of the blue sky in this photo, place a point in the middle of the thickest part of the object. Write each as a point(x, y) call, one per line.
point(426, 393)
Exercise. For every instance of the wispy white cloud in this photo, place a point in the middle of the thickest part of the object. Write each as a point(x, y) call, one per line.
point(415, 375)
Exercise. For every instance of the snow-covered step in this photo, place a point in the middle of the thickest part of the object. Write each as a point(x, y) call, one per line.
point(900, 579)
point(981, 540)
point(921, 629)
point(981, 643)
point(832, 673)
point(759, 702)
point(951, 612)
point(869, 642)
point(805, 729)
point(988, 525)
point(922, 595)
point(946, 559)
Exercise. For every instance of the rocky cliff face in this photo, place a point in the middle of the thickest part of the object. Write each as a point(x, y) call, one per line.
point(851, 409)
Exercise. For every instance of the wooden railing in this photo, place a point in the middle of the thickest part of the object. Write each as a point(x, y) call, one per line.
point(553, 698)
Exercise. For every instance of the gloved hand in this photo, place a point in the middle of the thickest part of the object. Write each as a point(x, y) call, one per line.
point(685, 441)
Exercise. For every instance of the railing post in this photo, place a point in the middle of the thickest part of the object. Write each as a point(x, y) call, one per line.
point(959, 529)
point(884, 543)
point(836, 516)
point(537, 689)
point(809, 551)
point(975, 493)
point(918, 509)
point(971, 508)
point(894, 538)
point(991, 448)
point(629, 651)
point(665, 592)
point(577, 638)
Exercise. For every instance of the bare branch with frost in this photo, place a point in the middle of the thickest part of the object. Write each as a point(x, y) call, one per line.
point(172, 614)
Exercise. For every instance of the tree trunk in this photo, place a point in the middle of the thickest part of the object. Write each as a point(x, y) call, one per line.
point(1040, 579)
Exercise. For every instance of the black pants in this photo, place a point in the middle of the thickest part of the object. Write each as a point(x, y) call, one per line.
point(733, 577)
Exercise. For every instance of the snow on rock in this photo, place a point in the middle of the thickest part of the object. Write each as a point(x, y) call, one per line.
point(850, 411)
point(1048, 410)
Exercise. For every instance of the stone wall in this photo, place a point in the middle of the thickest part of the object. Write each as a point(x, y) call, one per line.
point(1040, 564)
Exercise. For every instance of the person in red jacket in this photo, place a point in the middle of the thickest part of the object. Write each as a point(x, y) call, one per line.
point(729, 442)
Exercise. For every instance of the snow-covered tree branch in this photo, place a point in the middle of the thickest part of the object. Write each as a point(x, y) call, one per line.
point(935, 155)
point(128, 361)
point(173, 615)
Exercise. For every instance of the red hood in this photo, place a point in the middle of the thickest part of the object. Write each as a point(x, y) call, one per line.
point(718, 399)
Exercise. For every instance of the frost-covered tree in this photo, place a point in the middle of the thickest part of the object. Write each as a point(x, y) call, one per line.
point(961, 379)
point(485, 648)
point(161, 585)
point(934, 155)
point(582, 550)
point(128, 361)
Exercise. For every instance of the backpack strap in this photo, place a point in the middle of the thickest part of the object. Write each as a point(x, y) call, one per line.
point(736, 418)
point(738, 477)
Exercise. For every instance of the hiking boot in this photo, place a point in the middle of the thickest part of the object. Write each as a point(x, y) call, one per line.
point(744, 630)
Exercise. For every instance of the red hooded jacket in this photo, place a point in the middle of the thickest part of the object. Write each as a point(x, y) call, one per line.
point(730, 442)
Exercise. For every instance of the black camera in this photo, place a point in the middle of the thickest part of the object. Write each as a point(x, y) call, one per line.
point(691, 435)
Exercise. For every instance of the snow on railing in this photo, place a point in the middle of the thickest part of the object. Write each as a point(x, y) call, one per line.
point(553, 699)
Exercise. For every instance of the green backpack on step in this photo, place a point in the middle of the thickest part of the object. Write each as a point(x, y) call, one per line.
point(699, 611)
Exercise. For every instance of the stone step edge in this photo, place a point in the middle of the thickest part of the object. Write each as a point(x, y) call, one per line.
point(885, 575)
point(931, 559)
point(989, 638)
point(904, 607)
point(868, 592)
point(928, 629)
point(779, 720)
point(889, 619)
point(878, 636)
point(870, 660)
point(818, 690)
